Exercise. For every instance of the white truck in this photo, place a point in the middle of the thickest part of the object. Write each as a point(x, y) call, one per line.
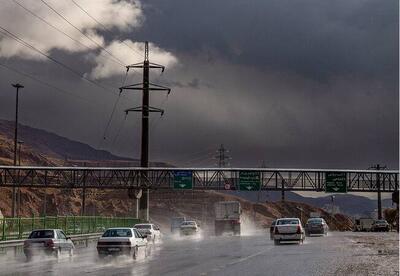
point(227, 217)
point(363, 224)
point(315, 214)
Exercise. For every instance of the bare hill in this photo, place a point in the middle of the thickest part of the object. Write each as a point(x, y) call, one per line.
point(48, 149)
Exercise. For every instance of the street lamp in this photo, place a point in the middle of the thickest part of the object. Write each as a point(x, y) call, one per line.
point(14, 191)
point(333, 203)
point(20, 142)
point(301, 212)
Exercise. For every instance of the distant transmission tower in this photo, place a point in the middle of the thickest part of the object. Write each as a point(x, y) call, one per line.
point(223, 157)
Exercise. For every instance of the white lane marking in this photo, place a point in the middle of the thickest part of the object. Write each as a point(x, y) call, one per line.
point(243, 259)
point(249, 257)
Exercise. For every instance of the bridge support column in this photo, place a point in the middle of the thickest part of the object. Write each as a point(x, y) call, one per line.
point(283, 189)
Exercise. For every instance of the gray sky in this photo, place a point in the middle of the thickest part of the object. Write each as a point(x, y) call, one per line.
point(293, 83)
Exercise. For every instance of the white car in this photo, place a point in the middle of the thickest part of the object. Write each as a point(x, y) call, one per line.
point(127, 241)
point(288, 229)
point(189, 227)
point(152, 231)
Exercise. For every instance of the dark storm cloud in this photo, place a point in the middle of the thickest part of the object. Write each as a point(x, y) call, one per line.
point(311, 38)
point(293, 83)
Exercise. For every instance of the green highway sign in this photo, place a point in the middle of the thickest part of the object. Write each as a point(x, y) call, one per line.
point(249, 181)
point(183, 180)
point(335, 182)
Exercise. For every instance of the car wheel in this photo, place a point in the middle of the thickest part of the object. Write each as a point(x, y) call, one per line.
point(58, 253)
point(71, 252)
point(276, 242)
point(28, 258)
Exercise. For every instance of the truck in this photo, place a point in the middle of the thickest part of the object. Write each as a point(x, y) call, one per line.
point(363, 224)
point(176, 224)
point(227, 217)
point(315, 214)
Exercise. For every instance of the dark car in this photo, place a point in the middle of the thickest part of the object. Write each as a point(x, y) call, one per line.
point(49, 242)
point(271, 230)
point(316, 226)
point(380, 225)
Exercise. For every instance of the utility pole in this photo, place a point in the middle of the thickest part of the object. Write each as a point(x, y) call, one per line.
point(222, 156)
point(378, 186)
point(146, 86)
point(15, 190)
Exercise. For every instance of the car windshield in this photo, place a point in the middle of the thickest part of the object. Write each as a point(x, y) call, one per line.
point(287, 221)
point(380, 221)
point(42, 234)
point(188, 223)
point(118, 233)
point(143, 226)
point(314, 221)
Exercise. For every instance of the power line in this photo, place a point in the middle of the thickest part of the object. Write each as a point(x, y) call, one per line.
point(104, 27)
point(76, 28)
point(119, 131)
point(43, 82)
point(26, 44)
point(62, 32)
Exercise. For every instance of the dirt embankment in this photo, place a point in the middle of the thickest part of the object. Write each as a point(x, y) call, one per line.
point(198, 205)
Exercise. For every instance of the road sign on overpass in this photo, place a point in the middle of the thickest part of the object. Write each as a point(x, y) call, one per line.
point(183, 180)
point(335, 182)
point(249, 181)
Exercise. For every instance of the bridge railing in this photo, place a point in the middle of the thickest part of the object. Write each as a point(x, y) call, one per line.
point(203, 178)
point(20, 228)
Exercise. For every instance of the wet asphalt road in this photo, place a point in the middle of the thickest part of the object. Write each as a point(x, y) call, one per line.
point(245, 255)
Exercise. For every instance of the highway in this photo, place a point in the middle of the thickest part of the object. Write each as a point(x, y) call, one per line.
point(253, 254)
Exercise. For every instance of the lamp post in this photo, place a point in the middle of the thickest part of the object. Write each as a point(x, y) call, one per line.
point(14, 190)
point(333, 203)
point(20, 142)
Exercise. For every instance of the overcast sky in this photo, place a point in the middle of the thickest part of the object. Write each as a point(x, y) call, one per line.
point(291, 83)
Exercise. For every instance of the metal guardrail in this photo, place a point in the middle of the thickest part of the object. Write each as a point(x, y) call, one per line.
point(16, 246)
point(20, 228)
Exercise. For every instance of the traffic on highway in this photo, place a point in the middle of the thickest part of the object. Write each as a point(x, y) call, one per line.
point(252, 253)
point(234, 247)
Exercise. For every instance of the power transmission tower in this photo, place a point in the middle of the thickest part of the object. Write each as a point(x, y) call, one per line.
point(223, 156)
point(146, 86)
point(378, 186)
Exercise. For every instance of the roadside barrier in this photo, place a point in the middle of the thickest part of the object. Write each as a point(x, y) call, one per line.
point(20, 228)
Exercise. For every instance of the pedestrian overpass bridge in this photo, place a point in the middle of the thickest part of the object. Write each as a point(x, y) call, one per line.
point(247, 179)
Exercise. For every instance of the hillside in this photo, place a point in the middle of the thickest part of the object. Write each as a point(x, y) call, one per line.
point(199, 205)
point(349, 204)
point(42, 148)
point(48, 149)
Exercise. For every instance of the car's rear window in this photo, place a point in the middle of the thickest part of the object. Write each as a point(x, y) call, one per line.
point(287, 221)
point(188, 223)
point(142, 226)
point(380, 221)
point(111, 233)
point(42, 234)
point(315, 221)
